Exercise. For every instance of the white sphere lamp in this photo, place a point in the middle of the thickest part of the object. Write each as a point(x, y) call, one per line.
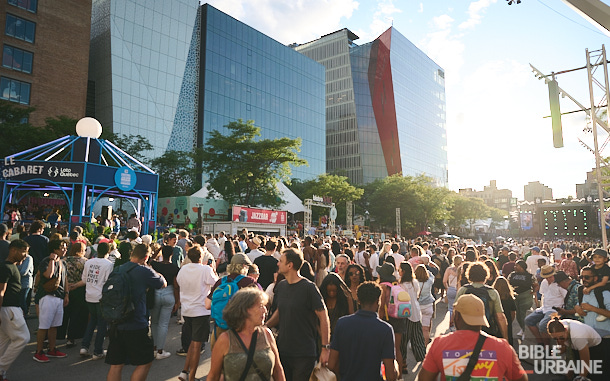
point(89, 128)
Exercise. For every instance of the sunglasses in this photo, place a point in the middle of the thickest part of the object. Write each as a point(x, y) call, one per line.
point(587, 277)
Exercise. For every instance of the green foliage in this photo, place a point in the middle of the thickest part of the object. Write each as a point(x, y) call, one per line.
point(134, 145)
point(176, 172)
point(244, 170)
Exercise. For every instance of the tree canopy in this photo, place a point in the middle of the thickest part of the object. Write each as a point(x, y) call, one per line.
point(244, 170)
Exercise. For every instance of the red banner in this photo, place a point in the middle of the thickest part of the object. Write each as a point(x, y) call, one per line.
point(261, 216)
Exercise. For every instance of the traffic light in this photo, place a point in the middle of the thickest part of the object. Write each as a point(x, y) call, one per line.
point(555, 113)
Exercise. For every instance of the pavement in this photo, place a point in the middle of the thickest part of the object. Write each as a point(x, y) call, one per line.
point(75, 367)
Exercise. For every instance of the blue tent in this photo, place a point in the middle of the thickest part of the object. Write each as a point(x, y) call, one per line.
point(83, 169)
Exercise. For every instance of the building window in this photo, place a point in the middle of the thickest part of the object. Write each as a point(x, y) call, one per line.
point(20, 28)
point(17, 59)
point(14, 90)
point(28, 5)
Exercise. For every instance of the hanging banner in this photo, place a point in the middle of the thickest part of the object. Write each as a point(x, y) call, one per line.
point(261, 216)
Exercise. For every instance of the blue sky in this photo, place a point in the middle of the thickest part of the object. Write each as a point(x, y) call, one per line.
point(495, 105)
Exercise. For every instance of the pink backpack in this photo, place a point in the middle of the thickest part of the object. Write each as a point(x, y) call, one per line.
point(399, 306)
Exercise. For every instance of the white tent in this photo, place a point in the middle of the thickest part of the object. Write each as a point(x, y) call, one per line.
point(291, 202)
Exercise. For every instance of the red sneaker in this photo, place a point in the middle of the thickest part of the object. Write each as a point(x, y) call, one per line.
point(40, 357)
point(56, 353)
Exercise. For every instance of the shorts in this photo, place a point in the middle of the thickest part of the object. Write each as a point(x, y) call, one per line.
point(132, 347)
point(427, 313)
point(200, 327)
point(399, 325)
point(50, 312)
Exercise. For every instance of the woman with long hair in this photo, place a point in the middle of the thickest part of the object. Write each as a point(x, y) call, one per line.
point(245, 315)
point(337, 298)
point(354, 277)
point(508, 303)
point(322, 264)
point(414, 332)
point(450, 280)
point(76, 312)
point(426, 299)
point(386, 249)
point(165, 302)
point(386, 280)
point(493, 272)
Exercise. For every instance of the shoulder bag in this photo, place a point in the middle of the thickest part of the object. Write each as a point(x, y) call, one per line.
point(474, 357)
point(250, 361)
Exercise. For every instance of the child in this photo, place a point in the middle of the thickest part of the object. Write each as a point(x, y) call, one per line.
point(602, 270)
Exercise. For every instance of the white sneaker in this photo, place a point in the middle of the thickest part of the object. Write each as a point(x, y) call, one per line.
point(183, 376)
point(520, 333)
point(84, 352)
point(98, 357)
point(601, 318)
point(162, 355)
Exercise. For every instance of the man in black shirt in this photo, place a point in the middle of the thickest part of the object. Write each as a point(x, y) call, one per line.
point(38, 242)
point(4, 230)
point(267, 265)
point(14, 333)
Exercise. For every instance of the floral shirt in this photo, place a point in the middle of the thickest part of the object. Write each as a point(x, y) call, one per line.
point(572, 300)
point(75, 267)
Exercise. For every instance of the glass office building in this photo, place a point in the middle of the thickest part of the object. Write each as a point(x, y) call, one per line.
point(385, 107)
point(174, 71)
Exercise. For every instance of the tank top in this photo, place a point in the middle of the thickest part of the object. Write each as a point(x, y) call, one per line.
point(234, 361)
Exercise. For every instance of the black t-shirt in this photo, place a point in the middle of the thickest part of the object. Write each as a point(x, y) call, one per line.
point(168, 270)
point(38, 247)
point(267, 266)
point(521, 282)
point(502, 259)
point(9, 274)
point(601, 272)
point(59, 271)
point(297, 304)
point(4, 244)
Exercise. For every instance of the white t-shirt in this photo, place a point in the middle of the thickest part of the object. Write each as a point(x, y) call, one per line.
point(195, 281)
point(95, 274)
point(253, 254)
point(582, 335)
point(213, 247)
point(532, 262)
point(557, 253)
point(552, 295)
point(374, 262)
point(359, 258)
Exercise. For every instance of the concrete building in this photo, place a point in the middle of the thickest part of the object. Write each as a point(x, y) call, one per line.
point(385, 107)
point(588, 189)
point(536, 190)
point(494, 197)
point(45, 54)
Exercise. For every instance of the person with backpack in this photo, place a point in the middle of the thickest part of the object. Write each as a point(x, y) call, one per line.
point(123, 306)
point(425, 298)
point(439, 259)
point(414, 332)
point(477, 274)
point(194, 281)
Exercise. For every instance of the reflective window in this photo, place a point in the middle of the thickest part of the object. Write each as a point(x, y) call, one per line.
point(20, 28)
point(15, 91)
point(28, 5)
point(17, 59)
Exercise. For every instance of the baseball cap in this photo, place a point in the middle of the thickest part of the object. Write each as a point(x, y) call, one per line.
point(600, 252)
point(471, 309)
point(536, 248)
point(560, 276)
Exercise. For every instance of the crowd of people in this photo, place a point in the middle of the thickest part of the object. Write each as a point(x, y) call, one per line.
point(274, 307)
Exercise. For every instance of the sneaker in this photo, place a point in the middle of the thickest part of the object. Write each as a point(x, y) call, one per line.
point(56, 353)
point(84, 352)
point(601, 318)
point(183, 376)
point(40, 357)
point(162, 355)
point(70, 343)
point(181, 352)
point(520, 333)
point(98, 357)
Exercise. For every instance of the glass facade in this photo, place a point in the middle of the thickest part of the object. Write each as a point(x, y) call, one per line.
point(385, 107)
point(244, 74)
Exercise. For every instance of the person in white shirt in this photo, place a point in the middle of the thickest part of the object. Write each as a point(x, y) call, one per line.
point(254, 245)
point(557, 251)
point(95, 274)
point(212, 245)
point(194, 281)
point(552, 296)
point(532, 260)
point(221, 239)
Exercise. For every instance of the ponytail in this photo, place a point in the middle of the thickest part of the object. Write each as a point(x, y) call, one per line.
point(555, 325)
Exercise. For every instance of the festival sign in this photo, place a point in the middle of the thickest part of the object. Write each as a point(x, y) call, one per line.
point(261, 216)
point(59, 172)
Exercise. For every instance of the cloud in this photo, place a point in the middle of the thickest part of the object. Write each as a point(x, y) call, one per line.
point(421, 8)
point(476, 10)
point(442, 21)
point(290, 21)
point(382, 19)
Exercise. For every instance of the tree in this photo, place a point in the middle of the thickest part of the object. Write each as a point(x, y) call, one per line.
point(244, 170)
point(176, 173)
point(466, 209)
point(134, 145)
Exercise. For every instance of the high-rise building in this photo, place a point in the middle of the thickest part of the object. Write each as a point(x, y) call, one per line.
point(588, 189)
point(385, 107)
point(45, 53)
point(494, 197)
point(181, 71)
point(536, 190)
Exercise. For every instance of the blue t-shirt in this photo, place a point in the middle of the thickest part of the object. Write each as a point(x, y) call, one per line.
point(142, 277)
point(363, 341)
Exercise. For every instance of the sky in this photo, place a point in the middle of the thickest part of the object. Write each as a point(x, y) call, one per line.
point(496, 107)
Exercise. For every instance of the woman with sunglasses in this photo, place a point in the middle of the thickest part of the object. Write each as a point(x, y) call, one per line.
point(354, 278)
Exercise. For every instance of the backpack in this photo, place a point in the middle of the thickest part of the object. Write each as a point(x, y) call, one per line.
point(117, 304)
point(442, 264)
point(399, 306)
point(220, 297)
point(483, 294)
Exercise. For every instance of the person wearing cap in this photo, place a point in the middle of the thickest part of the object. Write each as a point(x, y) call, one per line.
point(602, 271)
point(194, 281)
point(552, 296)
point(502, 258)
point(449, 354)
point(532, 260)
point(253, 244)
point(239, 265)
point(301, 315)
point(571, 299)
point(589, 307)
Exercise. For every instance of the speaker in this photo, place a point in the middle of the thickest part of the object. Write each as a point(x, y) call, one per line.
point(107, 212)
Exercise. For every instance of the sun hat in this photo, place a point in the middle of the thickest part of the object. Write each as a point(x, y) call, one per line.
point(386, 272)
point(240, 259)
point(547, 271)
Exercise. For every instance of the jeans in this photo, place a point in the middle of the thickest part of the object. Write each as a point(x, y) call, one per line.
point(524, 302)
point(24, 298)
point(160, 315)
point(451, 292)
point(95, 321)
